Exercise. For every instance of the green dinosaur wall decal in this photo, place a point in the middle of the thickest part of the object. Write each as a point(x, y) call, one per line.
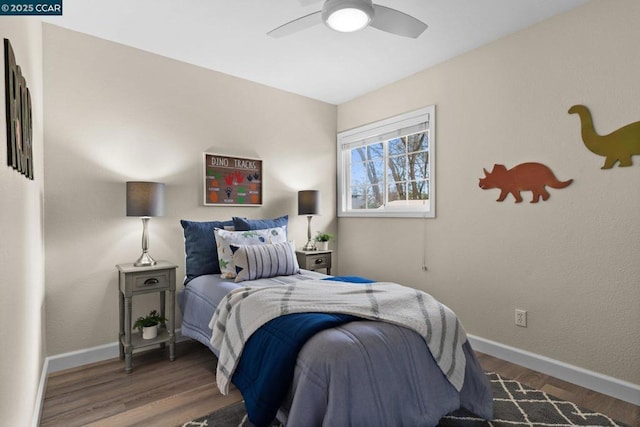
point(618, 146)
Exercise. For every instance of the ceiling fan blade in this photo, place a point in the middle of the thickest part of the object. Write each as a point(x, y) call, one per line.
point(297, 25)
point(396, 22)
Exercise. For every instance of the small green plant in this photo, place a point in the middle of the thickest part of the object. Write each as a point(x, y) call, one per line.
point(323, 237)
point(152, 319)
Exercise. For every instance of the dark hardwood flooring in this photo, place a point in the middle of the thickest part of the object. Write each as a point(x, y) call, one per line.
point(163, 393)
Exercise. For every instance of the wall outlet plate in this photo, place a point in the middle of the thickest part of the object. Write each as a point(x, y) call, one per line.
point(521, 317)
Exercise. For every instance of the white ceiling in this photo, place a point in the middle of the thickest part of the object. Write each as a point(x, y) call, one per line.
point(229, 36)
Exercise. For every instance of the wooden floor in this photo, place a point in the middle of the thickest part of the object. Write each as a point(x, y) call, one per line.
point(163, 393)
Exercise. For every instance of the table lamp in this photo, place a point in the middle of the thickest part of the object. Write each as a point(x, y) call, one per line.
point(144, 200)
point(309, 204)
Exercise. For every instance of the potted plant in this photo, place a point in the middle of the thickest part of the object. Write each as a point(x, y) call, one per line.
point(322, 240)
point(148, 325)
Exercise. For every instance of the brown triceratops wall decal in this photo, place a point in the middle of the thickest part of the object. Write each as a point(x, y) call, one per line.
point(523, 177)
point(618, 146)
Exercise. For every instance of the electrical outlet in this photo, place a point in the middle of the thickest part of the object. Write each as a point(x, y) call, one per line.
point(521, 317)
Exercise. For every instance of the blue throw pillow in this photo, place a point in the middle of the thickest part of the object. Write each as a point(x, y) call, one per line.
point(244, 224)
point(200, 247)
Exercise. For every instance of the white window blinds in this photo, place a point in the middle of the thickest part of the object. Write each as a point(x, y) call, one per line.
point(397, 127)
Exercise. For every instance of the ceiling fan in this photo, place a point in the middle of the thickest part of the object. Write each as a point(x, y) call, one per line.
point(353, 15)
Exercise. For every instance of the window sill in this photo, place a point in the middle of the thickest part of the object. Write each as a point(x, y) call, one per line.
point(387, 214)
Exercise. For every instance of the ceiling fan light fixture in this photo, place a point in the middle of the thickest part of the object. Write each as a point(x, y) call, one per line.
point(347, 16)
point(348, 20)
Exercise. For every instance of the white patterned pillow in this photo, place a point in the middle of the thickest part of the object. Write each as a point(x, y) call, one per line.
point(225, 238)
point(263, 261)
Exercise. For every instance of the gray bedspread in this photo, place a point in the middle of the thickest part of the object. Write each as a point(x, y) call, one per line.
point(363, 373)
point(369, 373)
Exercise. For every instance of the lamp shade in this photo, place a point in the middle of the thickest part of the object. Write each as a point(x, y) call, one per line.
point(308, 202)
point(145, 198)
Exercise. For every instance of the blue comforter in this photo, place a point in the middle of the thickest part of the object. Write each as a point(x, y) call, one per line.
point(265, 370)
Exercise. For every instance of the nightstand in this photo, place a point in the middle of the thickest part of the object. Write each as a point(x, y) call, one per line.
point(134, 281)
point(314, 260)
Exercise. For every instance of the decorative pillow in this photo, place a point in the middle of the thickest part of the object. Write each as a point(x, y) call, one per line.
point(262, 261)
point(225, 238)
point(243, 224)
point(200, 247)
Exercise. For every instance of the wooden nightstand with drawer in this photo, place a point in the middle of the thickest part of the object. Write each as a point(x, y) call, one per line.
point(314, 260)
point(134, 281)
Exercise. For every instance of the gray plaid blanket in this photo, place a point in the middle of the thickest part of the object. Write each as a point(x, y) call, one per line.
point(246, 309)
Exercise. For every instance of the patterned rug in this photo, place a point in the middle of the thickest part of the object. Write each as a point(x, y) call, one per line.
point(514, 405)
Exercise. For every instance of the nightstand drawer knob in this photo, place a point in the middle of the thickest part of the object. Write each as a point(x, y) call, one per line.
point(319, 261)
point(151, 282)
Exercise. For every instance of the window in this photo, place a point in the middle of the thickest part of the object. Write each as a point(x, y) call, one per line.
point(387, 168)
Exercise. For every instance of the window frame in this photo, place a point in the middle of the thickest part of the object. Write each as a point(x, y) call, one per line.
point(347, 140)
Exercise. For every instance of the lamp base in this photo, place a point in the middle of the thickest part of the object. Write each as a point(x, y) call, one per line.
point(310, 246)
point(145, 260)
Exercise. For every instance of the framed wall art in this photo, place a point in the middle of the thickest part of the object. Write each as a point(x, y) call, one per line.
point(232, 181)
point(18, 112)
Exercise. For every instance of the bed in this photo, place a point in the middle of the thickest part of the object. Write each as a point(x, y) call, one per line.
point(352, 371)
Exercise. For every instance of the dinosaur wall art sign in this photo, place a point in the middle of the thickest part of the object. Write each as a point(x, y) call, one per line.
point(523, 177)
point(618, 146)
point(232, 181)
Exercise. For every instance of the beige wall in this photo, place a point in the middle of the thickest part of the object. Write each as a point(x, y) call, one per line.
point(574, 261)
point(22, 245)
point(116, 114)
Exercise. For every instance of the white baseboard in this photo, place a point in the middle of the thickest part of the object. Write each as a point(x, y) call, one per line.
point(73, 359)
point(42, 387)
point(595, 381)
point(86, 356)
